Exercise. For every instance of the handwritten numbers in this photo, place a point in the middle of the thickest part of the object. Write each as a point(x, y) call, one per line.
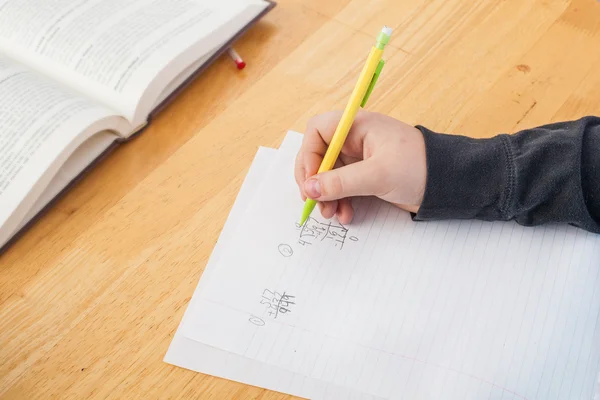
point(276, 303)
point(256, 321)
point(314, 230)
point(285, 250)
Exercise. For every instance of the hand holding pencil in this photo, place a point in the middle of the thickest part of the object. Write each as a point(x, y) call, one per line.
point(366, 81)
point(381, 157)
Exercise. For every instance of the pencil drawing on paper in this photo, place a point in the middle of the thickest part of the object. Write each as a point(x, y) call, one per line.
point(285, 250)
point(277, 303)
point(256, 321)
point(314, 230)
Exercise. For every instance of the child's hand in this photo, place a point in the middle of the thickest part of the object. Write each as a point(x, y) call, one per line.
point(382, 157)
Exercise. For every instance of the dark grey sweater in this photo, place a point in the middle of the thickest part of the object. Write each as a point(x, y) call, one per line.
point(536, 176)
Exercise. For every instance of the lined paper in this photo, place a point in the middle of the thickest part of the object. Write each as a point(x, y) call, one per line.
point(398, 309)
point(199, 357)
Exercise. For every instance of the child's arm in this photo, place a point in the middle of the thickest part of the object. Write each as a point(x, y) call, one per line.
point(542, 175)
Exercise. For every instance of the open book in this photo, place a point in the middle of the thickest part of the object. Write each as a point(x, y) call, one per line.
point(79, 77)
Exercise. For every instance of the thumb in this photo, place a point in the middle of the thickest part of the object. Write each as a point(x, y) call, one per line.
point(357, 179)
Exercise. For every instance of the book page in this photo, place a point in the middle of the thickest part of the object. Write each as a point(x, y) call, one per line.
point(190, 354)
point(122, 53)
point(182, 77)
point(79, 160)
point(40, 126)
point(399, 309)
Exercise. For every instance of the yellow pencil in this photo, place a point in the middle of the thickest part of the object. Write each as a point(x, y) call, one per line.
point(358, 98)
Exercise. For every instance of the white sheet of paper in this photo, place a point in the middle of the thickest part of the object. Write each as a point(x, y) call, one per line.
point(199, 357)
point(398, 309)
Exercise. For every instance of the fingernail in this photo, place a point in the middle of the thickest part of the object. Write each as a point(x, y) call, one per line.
point(313, 188)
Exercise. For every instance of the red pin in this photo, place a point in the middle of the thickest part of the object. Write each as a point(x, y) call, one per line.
point(236, 58)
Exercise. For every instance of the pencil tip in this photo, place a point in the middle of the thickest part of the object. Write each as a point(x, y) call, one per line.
point(303, 219)
point(309, 205)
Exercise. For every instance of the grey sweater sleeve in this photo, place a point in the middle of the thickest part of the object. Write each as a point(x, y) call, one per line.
point(549, 174)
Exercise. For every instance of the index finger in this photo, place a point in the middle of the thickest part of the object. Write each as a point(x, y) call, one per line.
point(319, 131)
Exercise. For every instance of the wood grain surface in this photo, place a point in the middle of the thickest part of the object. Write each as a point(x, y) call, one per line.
point(91, 296)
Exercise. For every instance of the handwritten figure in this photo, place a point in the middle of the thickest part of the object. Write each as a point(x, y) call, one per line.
point(276, 303)
point(314, 230)
point(285, 250)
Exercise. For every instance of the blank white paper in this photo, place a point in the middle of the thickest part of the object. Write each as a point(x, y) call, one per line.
point(400, 309)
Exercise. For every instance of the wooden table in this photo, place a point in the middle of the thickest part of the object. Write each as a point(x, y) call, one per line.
point(91, 296)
